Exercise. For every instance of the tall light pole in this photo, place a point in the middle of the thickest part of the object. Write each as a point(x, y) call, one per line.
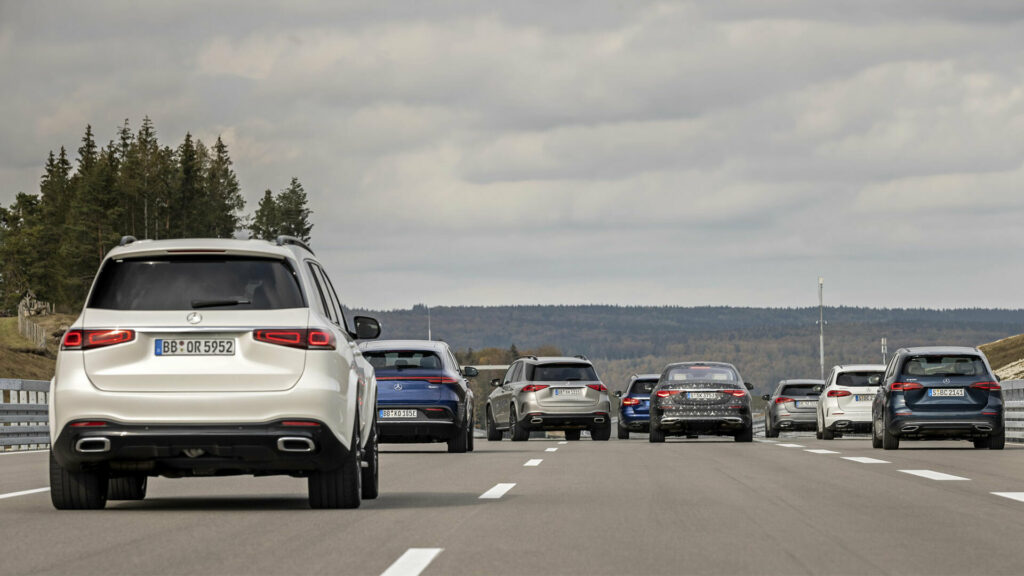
point(821, 324)
point(429, 337)
point(885, 349)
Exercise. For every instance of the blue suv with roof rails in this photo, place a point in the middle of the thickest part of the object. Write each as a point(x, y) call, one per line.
point(423, 395)
point(634, 404)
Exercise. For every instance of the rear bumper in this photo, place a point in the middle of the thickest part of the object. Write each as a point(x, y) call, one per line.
point(631, 420)
point(848, 419)
point(546, 421)
point(795, 420)
point(970, 425)
point(723, 423)
point(201, 450)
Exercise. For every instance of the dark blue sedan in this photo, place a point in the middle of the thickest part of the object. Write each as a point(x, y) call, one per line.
point(422, 393)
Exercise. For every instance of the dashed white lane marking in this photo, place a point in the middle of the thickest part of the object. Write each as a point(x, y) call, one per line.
point(933, 475)
point(564, 442)
point(865, 460)
point(1018, 496)
point(498, 491)
point(765, 440)
point(44, 451)
point(791, 445)
point(23, 493)
point(414, 561)
point(534, 462)
point(552, 450)
point(822, 451)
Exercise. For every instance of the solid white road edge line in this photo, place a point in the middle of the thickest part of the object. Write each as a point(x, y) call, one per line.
point(822, 451)
point(534, 462)
point(1018, 496)
point(40, 451)
point(552, 450)
point(414, 561)
point(933, 475)
point(24, 493)
point(498, 491)
point(864, 460)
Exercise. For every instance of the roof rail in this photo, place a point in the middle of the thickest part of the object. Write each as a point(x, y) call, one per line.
point(292, 240)
point(530, 356)
point(126, 240)
point(581, 357)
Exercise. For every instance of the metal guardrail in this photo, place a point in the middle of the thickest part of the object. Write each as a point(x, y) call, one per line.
point(24, 420)
point(1013, 404)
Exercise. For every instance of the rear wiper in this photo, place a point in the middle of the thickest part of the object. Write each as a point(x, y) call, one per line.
point(215, 303)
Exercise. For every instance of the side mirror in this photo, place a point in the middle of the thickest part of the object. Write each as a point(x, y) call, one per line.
point(748, 385)
point(496, 382)
point(766, 397)
point(366, 328)
point(818, 389)
point(470, 372)
point(618, 394)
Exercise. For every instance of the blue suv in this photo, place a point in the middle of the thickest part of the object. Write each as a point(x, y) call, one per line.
point(422, 393)
point(634, 405)
point(938, 393)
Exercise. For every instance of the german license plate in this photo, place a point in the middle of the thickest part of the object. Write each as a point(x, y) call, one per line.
point(568, 392)
point(702, 395)
point(396, 413)
point(945, 391)
point(864, 398)
point(806, 403)
point(194, 347)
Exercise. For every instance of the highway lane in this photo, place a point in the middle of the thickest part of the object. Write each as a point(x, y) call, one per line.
point(619, 507)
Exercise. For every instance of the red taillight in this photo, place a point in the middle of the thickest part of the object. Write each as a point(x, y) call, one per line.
point(783, 400)
point(311, 339)
point(598, 387)
point(838, 393)
point(667, 393)
point(630, 401)
point(88, 424)
point(299, 423)
point(736, 393)
point(89, 339)
point(904, 386)
point(986, 386)
point(534, 387)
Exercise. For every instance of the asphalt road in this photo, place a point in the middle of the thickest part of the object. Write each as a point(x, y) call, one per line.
point(620, 507)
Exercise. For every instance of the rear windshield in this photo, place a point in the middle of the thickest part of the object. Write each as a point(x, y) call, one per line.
point(643, 387)
point(851, 379)
point(799, 390)
point(190, 283)
point(560, 372)
point(682, 373)
point(399, 359)
point(966, 365)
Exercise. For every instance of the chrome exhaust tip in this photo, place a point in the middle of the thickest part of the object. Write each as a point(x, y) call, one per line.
point(536, 420)
point(92, 445)
point(909, 429)
point(983, 427)
point(599, 420)
point(295, 444)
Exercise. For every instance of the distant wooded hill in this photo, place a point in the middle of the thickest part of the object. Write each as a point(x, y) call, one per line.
point(766, 344)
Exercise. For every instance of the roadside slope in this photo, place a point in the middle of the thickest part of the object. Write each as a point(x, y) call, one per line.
point(18, 358)
point(1006, 357)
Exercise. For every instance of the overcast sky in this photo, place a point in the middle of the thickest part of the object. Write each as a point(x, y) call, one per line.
point(724, 152)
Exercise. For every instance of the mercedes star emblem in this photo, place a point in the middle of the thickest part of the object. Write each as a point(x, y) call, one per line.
point(398, 386)
point(194, 318)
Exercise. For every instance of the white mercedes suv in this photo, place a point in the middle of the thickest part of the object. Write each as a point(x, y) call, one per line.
point(844, 405)
point(205, 357)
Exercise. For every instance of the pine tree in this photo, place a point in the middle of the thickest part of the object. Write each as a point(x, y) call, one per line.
point(189, 189)
point(225, 196)
point(265, 221)
point(293, 212)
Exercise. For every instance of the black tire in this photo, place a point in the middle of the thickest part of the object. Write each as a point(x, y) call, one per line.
point(371, 472)
point(601, 432)
point(747, 435)
point(981, 443)
point(889, 441)
point(459, 443)
point(997, 441)
point(127, 488)
point(656, 435)
point(493, 434)
point(817, 435)
point(769, 430)
point(84, 490)
point(623, 433)
point(572, 435)
point(339, 488)
point(471, 432)
point(827, 434)
point(876, 440)
point(519, 432)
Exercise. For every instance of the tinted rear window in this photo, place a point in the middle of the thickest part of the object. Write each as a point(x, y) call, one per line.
point(683, 373)
point(399, 359)
point(560, 372)
point(799, 390)
point(643, 387)
point(851, 379)
point(188, 283)
point(945, 366)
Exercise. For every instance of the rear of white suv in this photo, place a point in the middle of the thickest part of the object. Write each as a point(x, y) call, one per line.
point(205, 357)
point(844, 405)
